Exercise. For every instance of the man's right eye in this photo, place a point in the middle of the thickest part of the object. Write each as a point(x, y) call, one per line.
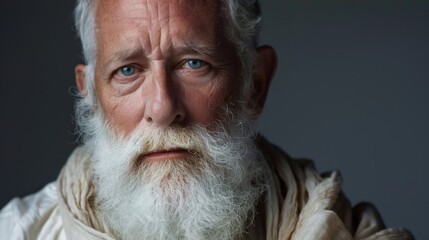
point(127, 71)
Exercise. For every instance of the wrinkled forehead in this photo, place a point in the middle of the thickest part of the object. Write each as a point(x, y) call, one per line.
point(199, 12)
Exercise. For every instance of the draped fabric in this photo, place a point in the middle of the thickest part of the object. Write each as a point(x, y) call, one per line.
point(76, 201)
point(299, 204)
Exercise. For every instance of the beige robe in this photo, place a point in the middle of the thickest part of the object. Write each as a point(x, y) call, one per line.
point(299, 205)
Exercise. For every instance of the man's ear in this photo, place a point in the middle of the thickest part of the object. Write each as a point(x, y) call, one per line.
point(79, 72)
point(263, 71)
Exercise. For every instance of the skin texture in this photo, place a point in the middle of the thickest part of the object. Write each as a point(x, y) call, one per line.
point(161, 42)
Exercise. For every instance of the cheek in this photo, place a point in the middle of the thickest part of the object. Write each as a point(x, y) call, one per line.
point(122, 113)
point(207, 106)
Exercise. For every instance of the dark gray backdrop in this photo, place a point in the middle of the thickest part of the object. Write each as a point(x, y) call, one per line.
point(351, 92)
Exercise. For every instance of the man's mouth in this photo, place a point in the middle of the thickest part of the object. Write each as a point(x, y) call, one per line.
point(166, 154)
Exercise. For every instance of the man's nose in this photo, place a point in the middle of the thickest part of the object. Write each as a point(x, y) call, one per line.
point(163, 104)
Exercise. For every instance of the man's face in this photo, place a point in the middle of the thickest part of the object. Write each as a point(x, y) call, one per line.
point(164, 76)
point(161, 63)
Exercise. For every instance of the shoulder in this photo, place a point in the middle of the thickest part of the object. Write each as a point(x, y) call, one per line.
point(29, 216)
point(316, 202)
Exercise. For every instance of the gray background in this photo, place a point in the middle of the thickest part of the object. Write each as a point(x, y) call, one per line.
point(351, 92)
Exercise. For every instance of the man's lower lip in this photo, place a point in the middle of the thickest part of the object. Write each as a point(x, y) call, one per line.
point(166, 155)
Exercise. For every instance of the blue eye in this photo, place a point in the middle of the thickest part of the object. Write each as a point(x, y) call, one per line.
point(195, 63)
point(127, 70)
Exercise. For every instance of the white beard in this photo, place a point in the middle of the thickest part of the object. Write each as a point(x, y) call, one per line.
point(212, 195)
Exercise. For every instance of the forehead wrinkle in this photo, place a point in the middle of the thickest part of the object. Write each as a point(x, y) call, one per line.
point(159, 20)
point(154, 47)
point(158, 28)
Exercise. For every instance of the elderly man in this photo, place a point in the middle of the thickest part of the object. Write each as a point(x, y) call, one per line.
point(169, 96)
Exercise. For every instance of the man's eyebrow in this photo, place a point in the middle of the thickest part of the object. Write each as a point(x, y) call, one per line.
point(122, 55)
point(198, 49)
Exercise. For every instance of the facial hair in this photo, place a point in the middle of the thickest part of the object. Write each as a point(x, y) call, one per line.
point(210, 195)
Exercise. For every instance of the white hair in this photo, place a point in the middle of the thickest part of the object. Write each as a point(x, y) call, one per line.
point(243, 17)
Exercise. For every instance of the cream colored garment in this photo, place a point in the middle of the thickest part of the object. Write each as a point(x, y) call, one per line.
point(304, 206)
point(300, 205)
point(34, 217)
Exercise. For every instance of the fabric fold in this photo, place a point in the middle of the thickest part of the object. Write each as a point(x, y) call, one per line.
point(314, 207)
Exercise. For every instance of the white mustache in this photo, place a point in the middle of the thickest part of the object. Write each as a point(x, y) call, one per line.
point(168, 139)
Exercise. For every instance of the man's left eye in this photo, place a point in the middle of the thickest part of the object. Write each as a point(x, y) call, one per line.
point(195, 63)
